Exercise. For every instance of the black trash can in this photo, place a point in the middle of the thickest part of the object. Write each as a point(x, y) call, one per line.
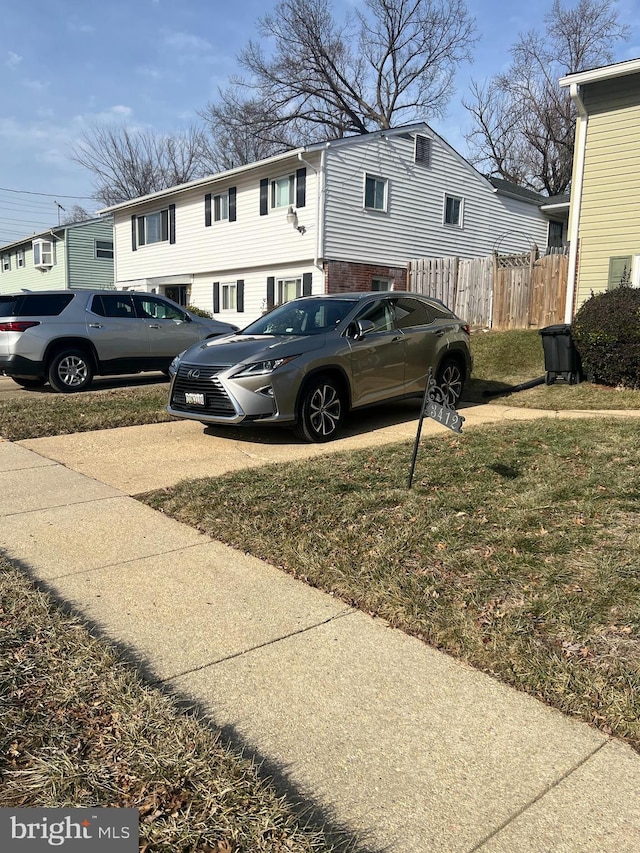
point(561, 359)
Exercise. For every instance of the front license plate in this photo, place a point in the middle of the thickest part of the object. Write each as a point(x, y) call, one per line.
point(194, 399)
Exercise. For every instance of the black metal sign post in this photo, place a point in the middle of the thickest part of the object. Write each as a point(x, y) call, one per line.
point(435, 406)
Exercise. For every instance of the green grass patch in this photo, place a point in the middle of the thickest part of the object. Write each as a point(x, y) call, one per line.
point(78, 727)
point(503, 359)
point(38, 415)
point(517, 549)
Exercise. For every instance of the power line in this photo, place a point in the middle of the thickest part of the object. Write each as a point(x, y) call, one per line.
point(48, 195)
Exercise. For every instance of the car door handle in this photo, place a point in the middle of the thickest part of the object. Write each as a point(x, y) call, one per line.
point(154, 325)
point(440, 333)
point(95, 325)
point(397, 339)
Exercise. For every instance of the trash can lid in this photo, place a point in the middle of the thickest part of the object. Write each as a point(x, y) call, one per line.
point(557, 329)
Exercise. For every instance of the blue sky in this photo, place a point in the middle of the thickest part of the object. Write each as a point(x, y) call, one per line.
point(66, 65)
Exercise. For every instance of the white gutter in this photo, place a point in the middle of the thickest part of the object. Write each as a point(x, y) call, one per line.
point(576, 200)
point(319, 207)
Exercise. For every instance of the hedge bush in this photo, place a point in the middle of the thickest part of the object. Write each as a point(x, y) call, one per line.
point(200, 312)
point(606, 334)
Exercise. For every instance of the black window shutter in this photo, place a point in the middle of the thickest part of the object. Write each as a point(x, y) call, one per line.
point(232, 204)
point(307, 279)
point(207, 210)
point(271, 291)
point(264, 196)
point(301, 187)
point(216, 297)
point(172, 223)
point(133, 233)
point(240, 294)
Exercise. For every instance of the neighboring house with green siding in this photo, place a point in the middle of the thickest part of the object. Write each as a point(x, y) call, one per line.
point(76, 255)
point(604, 218)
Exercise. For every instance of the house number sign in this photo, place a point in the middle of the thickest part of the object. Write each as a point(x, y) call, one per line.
point(435, 406)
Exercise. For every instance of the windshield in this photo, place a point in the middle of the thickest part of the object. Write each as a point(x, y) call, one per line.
point(302, 317)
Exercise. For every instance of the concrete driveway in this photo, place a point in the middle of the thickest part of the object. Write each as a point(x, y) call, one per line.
point(140, 458)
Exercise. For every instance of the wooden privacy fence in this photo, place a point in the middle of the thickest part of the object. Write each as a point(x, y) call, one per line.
point(497, 291)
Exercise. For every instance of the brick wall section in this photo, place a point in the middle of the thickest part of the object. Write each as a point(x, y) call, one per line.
point(344, 277)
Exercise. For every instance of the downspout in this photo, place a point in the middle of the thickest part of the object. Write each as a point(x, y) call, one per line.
point(576, 200)
point(319, 207)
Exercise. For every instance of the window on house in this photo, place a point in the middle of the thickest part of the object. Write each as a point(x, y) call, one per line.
point(221, 207)
point(555, 234)
point(452, 210)
point(153, 228)
point(380, 284)
point(289, 288)
point(375, 193)
point(283, 191)
point(43, 255)
point(422, 152)
point(619, 271)
point(229, 296)
point(20, 258)
point(6, 263)
point(104, 249)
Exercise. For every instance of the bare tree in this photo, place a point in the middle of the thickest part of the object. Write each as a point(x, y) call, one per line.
point(391, 63)
point(127, 163)
point(523, 123)
point(77, 213)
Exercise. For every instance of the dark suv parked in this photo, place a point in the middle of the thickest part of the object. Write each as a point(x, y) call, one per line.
point(65, 337)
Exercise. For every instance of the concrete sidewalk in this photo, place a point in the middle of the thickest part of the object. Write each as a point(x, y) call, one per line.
point(406, 747)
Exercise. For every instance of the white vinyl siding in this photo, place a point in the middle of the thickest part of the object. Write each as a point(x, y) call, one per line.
point(414, 226)
point(251, 241)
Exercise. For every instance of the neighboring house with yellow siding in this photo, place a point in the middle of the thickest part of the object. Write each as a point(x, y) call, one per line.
point(604, 219)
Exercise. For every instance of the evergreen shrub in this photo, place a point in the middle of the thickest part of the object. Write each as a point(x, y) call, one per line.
point(606, 334)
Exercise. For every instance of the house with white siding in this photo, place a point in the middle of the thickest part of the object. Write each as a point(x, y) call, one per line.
point(75, 255)
point(604, 219)
point(344, 215)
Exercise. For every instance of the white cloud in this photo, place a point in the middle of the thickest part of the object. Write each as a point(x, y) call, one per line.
point(187, 48)
point(13, 60)
point(150, 71)
point(76, 26)
point(36, 85)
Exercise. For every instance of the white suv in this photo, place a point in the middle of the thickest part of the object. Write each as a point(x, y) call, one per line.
point(66, 337)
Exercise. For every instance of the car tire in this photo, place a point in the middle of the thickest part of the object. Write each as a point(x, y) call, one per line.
point(29, 383)
point(322, 410)
point(70, 371)
point(450, 381)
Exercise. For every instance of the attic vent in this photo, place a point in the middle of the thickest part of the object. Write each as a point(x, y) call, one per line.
point(423, 150)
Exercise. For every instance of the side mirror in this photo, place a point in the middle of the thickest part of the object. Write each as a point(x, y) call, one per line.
point(359, 329)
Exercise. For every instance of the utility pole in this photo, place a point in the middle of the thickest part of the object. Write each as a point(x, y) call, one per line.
point(60, 207)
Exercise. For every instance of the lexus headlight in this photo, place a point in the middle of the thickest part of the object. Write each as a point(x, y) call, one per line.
point(173, 367)
point(262, 368)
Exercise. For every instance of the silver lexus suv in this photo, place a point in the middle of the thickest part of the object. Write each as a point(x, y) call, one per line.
point(309, 361)
point(65, 337)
